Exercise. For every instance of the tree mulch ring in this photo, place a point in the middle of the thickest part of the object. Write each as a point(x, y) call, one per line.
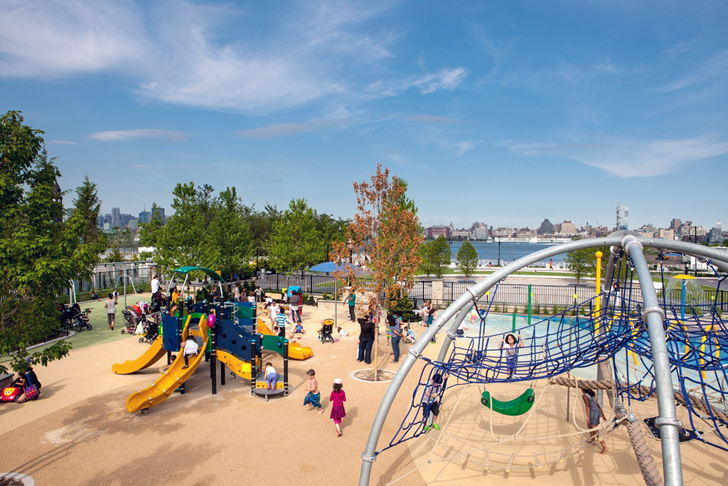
point(5, 481)
point(368, 375)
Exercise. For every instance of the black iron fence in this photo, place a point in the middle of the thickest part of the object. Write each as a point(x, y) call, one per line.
point(505, 296)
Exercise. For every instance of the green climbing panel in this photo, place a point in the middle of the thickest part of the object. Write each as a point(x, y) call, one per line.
point(517, 406)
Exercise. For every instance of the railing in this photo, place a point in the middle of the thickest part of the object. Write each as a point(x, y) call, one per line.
point(108, 276)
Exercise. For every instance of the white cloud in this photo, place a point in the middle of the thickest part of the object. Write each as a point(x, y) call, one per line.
point(47, 39)
point(709, 73)
point(631, 158)
point(218, 57)
point(61, 142)
point(123, 135)
point(463, 147)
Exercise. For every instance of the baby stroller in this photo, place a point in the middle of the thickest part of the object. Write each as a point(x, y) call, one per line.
point(326, 331)
point(132, 317)
point(151, 331)
point(74, 318)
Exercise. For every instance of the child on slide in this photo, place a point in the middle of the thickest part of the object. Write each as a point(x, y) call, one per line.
point(191, 349)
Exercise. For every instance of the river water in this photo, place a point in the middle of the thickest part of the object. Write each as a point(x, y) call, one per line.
point(509, 251)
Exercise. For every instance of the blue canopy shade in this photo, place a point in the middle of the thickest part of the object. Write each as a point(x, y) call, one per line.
point(329, 267)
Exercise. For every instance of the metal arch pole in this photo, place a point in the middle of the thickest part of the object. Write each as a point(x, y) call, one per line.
point(655, 316)
point(369, 454)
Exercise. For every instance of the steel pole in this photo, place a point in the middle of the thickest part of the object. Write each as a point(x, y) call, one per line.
point(654, 315)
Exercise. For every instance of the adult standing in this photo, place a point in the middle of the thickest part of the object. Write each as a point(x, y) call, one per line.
point(295, 307)
point(352, 303)
point(258, 294)
point(396, 332)
point(366, 339)
point(155, 284)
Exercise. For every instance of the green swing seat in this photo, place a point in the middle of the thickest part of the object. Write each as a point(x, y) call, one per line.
point(517, 406)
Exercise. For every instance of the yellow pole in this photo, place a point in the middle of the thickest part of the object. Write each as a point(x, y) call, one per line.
point(598, 254)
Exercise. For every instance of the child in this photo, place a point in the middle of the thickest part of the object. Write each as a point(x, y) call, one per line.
point(313, 397)
point(271, 377)
point(110, 305)
point(430, 401)
point(510, 345)
point(409, 335)
point(280, 326)
point(337, 398)
point(191, 349)
point(299, 329)
point(593, 412)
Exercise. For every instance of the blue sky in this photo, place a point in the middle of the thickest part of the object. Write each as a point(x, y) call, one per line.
point(506, 112)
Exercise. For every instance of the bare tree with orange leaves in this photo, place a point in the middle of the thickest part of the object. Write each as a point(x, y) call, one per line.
point(383, 239)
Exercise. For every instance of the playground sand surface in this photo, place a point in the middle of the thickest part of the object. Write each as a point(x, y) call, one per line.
point(79, 431)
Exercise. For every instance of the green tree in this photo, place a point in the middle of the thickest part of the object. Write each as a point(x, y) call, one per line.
point(583, 263)
point(204, 230)
point(439, 255)
point(467, 258)
point(149, 232)
point(39, 250)
point(115, 255)
point(229, 238)
point(295, 241)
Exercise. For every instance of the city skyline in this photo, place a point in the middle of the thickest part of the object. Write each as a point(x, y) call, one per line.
point(504, 111)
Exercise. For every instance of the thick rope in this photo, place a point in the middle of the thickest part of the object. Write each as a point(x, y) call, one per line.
point(696, 402)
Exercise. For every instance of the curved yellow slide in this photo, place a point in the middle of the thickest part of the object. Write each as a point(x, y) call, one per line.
point(295, 350)
point(176, 375)
point(241, 368)
point(150, 356)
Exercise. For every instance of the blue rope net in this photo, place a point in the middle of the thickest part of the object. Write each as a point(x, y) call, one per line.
point(575, 339)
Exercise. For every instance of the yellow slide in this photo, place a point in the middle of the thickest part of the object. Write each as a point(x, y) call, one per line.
point(176, 375)
point(150, 356)
point(295, 350)
point(241, 368)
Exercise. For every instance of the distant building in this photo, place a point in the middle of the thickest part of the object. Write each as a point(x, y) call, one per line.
point(675, 224)
point(567, 228)
point(437, 230)
point(480, 231)
point(100, 221)
point(546, 228)
point(160, 212)
point(115, 217)
point(667, 234)
point(715, 236)
point(145, 216)
point(622, 218)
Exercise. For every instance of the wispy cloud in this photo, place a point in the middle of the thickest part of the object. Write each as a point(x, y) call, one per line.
point(191, 54)
point(123, 135)
point(445, 79)
point(631, 158)
point(47, 39)
point(463, 147)
point(434, 119)
point(708, 73)
point(60, 142)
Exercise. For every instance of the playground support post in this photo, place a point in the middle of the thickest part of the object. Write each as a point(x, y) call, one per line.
point(654, 315)
point(285, 368)
point(530, 294)
point(253, 365)
point(597, 316)
point(213, 350)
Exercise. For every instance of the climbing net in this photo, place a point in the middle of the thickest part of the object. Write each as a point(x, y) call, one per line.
point(610, 330)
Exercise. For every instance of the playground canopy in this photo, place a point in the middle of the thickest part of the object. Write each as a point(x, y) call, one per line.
point(210, 273)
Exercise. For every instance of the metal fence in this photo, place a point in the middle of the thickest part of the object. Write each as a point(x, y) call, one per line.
point(115, 275)
point(504, 295)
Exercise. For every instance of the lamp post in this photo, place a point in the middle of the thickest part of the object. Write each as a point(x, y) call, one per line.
point(499, 241)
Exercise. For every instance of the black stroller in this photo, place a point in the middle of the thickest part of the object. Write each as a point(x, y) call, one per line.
point(75, 319)
point(327, 331)
point(151, 329)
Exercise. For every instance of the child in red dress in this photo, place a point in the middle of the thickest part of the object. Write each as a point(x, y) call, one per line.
point(337, 398)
